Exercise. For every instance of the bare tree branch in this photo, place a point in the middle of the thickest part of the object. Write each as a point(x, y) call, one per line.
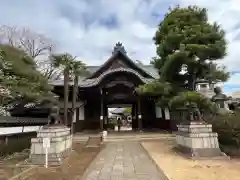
point(33, 44)
point(49, 70)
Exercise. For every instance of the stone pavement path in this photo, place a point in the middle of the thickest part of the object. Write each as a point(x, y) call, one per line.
point(123, 161)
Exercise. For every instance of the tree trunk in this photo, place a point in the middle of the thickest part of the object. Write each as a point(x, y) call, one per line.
point(74, 100)
point(66, 81)
point(192, 82)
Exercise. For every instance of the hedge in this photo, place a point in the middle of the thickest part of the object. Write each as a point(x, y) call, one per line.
point(228, 129)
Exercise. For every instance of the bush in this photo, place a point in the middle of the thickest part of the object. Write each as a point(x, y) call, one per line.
point(228, 129)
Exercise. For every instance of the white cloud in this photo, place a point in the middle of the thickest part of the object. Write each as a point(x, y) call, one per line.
point(77, 26)
point(234, 80)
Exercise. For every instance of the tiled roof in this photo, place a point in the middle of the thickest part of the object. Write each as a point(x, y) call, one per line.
point(22, 120)
point(92, 69)
point(83, 82)
point(148, 68)
point(118, 111)
point(96, 81)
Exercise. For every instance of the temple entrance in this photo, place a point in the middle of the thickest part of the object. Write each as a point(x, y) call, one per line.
point(113, 85)
point(120, 117)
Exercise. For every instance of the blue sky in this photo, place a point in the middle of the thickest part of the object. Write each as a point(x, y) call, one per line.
point(90, 28)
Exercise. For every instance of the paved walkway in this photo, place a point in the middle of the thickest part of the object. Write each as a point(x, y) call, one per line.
point(123, 161)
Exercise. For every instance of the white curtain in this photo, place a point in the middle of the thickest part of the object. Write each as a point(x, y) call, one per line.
point(158, 112)
point(81, 113)
point(167, 114)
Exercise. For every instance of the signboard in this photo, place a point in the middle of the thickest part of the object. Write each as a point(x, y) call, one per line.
point(46, 145)
point(46, 142)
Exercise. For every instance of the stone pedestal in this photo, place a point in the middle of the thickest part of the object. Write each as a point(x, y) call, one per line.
point(196, 139)
point(60, 145)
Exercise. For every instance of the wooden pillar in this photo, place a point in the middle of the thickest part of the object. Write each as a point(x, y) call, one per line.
point(134, 116)
point(139, 114)
point(102, 111)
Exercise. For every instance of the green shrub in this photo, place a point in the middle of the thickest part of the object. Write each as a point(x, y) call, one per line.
point(228, 129)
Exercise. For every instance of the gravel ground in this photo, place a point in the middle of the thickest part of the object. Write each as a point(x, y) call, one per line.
point(177, 167)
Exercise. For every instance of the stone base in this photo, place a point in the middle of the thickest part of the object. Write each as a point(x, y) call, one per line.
point(204, 153)
point(60, 145)
point(197, 140)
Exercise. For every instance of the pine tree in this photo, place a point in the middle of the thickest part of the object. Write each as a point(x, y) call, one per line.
point(20, 78)
point(185, 38)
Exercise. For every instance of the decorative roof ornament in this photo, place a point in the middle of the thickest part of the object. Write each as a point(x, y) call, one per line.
point(119, 47)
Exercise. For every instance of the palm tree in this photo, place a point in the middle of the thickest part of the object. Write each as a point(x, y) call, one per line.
point(64, 62)
point(78, 69)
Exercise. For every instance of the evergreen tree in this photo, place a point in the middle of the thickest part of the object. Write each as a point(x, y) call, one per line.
point(19, 75)
point(188, 48)
point(64, 62)
point(78, 69)
point(20, 79)
point(185, 38)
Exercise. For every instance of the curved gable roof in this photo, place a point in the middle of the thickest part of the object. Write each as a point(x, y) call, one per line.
point(96, 81)
point(114, 57)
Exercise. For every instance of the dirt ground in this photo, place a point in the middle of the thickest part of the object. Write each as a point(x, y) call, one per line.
point(72, 168)
point(176, 167)
point(8, 166)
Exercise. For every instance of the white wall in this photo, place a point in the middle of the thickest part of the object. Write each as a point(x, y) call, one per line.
point(15, 130)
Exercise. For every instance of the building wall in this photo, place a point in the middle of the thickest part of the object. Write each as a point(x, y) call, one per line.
point(91, 116)
point(154, 118)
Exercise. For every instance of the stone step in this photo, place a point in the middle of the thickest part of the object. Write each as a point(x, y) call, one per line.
point(113, 135)
point(112, 138)
point(79, 138)
point(94, 141)
point(133, 139)
point(140, 135)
